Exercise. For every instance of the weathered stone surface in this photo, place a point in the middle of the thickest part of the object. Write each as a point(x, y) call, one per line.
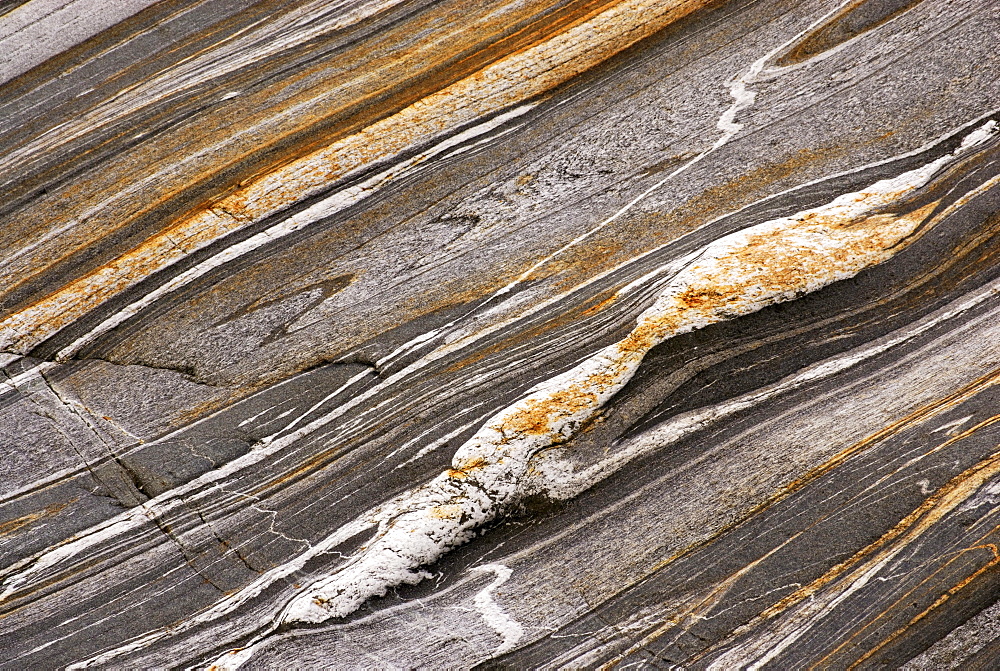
point(513, 334)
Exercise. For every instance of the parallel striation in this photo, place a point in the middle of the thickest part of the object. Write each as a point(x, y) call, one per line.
point(531, 334)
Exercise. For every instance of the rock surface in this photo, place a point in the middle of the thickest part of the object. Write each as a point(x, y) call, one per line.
point(412, 333)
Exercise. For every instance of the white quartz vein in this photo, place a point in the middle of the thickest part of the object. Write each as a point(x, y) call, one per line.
point(490, 472)
point(444, 512)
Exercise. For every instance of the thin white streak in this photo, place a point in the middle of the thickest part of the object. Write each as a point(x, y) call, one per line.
point(440, 442)
point(743, 98)
point(508, 628)
point(250, 419)
point(234, 659)
point(16, 381)
point(286, 413)
point(951, 425)
point(333, 394)
point(232, 602)
point(410, 344)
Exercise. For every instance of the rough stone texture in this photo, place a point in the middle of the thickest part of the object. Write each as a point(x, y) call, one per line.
point(276, 275)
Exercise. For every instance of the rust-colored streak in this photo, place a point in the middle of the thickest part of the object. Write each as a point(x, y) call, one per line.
point(11, 526)
point(908, 530)
point(915, 418)
point(604, 301)
point(532, 69)
point(912, 526)
point(704, 605)
point(953, 590)
point(29, 593)
point(463, 471)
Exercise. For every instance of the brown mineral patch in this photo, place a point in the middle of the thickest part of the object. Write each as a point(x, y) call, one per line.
point(583, 261)
point(602, 305)
point(535, 416)
point(739, 191)
point(446, 512)
point(563, 319)
point(465, 468)
point(701, 298)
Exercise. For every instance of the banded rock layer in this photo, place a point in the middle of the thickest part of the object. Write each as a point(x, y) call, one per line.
point(522, 334)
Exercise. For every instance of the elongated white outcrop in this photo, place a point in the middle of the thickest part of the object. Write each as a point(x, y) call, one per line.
point(740, 273)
